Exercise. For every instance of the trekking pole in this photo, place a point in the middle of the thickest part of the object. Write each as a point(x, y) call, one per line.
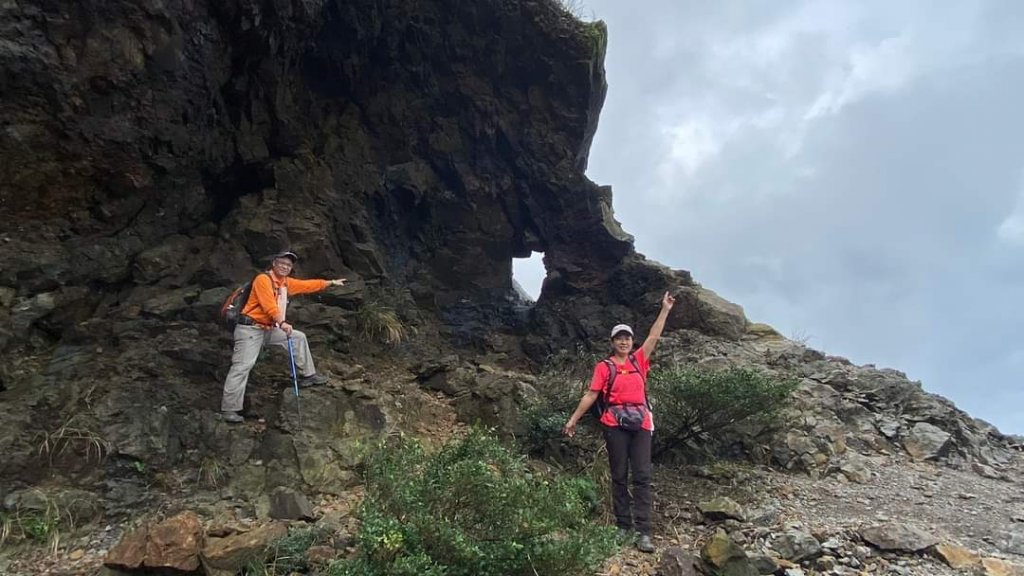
point(295, 380)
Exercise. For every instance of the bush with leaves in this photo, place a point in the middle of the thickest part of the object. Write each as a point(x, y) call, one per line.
point(693, 402)
point(473, 509)
point(563, 380)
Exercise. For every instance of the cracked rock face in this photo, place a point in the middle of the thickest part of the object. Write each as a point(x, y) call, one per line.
point(156, 153)
point(174, 144)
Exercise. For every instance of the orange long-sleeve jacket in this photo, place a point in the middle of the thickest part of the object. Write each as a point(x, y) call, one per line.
point(262, 304)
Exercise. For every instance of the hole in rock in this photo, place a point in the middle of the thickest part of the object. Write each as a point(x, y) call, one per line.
point(528, 276)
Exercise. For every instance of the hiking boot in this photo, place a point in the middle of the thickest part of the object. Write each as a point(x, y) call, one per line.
point(314, 380)
point(231, 417)
point(623, 535)
point(644, 544)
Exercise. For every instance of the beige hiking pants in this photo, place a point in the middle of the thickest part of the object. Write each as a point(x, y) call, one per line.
point(249, 340)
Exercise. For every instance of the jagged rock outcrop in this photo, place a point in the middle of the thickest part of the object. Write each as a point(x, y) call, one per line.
point(843, 415)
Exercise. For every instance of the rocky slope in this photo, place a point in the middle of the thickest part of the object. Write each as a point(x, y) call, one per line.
point(154, 153)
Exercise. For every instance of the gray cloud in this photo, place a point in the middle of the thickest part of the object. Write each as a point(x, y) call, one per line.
point(849, 172)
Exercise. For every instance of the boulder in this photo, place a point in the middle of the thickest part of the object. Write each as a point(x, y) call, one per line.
point(795, 545)
point(226, 556)
point(721, 508)
point(726, 557)
point(707, 311)
point(926, 441)
point(678, 562)
point(288, 504)
point(956, 557)
point(854, 468)
point(898, 538)
point(172, 544)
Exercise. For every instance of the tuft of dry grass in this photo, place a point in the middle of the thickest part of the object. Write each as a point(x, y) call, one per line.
point(6, 528)
point(70, 436)
point(574, 8)
point(377, 321)
point(211, 472)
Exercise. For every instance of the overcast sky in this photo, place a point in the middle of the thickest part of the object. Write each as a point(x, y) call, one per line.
point(851, 173)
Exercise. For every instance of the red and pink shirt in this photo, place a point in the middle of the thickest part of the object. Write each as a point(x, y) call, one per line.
point(628, 387)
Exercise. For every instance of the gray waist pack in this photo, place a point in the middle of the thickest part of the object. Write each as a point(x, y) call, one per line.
point(629, 416)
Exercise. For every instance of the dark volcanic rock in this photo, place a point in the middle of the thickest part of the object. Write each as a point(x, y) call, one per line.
point(155, 153)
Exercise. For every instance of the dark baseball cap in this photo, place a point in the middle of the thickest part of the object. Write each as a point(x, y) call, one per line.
point(290, 255)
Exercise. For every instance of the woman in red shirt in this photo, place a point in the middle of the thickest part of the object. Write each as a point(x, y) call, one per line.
point(627, 423)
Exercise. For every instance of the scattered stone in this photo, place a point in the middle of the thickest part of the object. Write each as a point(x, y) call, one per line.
point(765, 564)
point(727, 557)
point(288, 504)
point(888, 426)
point(783, 563)
point(1011, 542)
point(678, 562)
point(997, 567)
point(956, 557)
point(986, 471)
point(832, 543)
point(721, 508)
point(796, 545)
point(855, 469)
point(825, 563)
point(898, 538)
point(169, 545)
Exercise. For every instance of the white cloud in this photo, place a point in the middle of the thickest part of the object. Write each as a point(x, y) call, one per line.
point(691, 144)
point(1011, 229)
point(883, 67)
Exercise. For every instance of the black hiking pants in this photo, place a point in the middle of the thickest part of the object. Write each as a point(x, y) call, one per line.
point(630, 452)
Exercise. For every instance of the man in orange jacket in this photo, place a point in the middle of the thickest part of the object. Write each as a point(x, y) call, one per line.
point(263, 322)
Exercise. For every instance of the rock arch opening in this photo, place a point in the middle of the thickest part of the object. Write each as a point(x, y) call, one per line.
point(528, 276)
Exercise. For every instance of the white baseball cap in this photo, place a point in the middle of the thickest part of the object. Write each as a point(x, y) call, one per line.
point(621, 328)
point(286, 254)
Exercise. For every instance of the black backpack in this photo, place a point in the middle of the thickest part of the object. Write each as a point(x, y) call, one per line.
point(231, 310)
point(601, 404)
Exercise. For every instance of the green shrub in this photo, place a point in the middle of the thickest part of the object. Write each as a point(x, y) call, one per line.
point(39, 525)
point(563, 380)
point(472, 509)
point(693, 402)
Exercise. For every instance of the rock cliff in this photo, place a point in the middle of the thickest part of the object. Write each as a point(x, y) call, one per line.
point(155, 152)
